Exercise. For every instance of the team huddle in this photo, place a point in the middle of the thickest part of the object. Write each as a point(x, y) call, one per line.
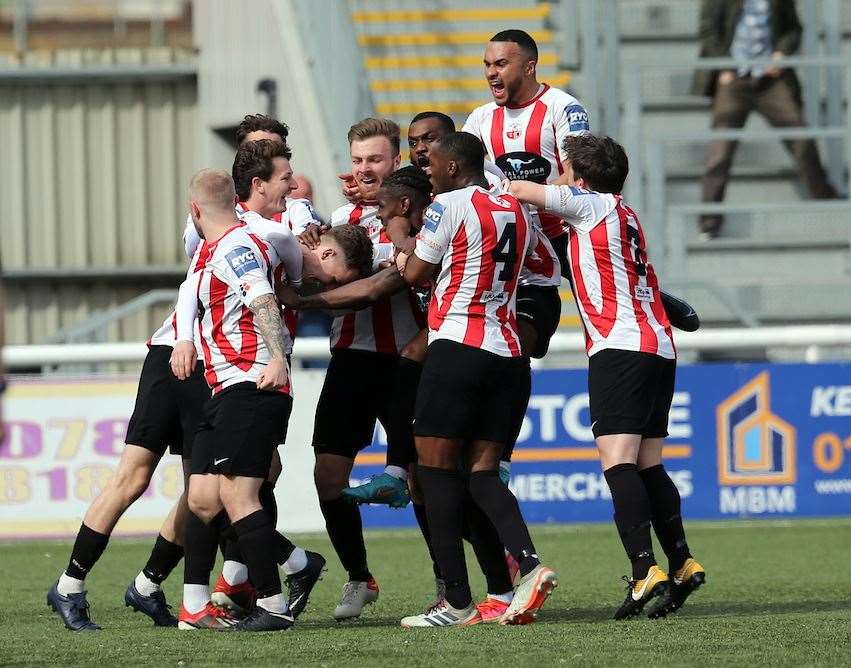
point(443, 277)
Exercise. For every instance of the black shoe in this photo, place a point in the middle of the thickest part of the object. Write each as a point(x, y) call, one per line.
point(639, 592)
point(154, 605)
point(683, 583)
point(261, 619)
point(73, 609)
point(299, 585)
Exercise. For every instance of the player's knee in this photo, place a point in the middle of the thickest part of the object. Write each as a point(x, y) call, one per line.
point(202, 505)
point(329, 480)
point(129, 484)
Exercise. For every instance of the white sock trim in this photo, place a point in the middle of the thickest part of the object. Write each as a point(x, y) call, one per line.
point(396, 471)
point(296, 562)
point(195, 598)
point(68, 585)
point(145, 586)
point(234, 572)
point(276, 604)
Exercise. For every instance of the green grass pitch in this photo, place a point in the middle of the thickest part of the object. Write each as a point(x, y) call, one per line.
point(777, 593)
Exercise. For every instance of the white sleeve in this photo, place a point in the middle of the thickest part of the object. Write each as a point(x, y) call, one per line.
point(243, 270)
point(282, 239)
point(493, 173)
point(381, 252)
point(571, 120)
point(191, 238)
point(186, 310)
point(473, 124)
point(579, 208)
point(436, 234)
point(301, 214)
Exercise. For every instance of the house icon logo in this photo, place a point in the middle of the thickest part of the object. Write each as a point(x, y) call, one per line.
point(755, 446)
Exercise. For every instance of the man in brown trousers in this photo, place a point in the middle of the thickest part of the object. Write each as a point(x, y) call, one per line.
point(749, 30)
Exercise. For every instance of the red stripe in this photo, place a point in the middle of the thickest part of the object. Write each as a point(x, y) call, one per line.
point(648, 343)
point(291, 322)
point(174, 324)
point(604, 320)
point(437, 315)
point(382, 326)
point(355, 215)
point(533, 130)
point(541, 262)
point(209, 372)
point(558, 152)
point(551, 225)
point(261, 246)
point(245, 358)
point(497, 143)
point(477, 310)
point(656, 305)
point(347, 331)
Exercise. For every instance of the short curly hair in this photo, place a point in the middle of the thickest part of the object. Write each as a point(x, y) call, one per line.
point(411, 181)
point(255, 122)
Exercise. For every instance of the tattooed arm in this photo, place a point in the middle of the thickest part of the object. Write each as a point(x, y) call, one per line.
point(267, 315)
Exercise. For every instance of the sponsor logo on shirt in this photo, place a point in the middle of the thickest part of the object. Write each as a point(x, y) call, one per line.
point(524, 166)
point(491, 296)
point(577, 118)
point(242, 260)
point(643, 293)
point(433, 216)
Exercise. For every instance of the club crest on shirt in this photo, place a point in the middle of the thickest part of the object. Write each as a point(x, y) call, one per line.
point(515, 131)
point(433, 216)
point(242, 260)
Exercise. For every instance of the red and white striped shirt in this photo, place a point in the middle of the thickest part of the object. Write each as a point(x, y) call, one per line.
point(616, 289)
point(238, 271)
point(526, 141)
point(179, 324)
point(480, 241)
point(542, 267)
point(388, 325)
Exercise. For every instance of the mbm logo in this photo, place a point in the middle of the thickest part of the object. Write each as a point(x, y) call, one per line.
point(755, 446)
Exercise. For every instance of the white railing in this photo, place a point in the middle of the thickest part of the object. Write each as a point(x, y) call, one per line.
point(27, 357)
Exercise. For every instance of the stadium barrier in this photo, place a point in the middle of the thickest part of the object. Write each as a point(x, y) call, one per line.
point(746, 440)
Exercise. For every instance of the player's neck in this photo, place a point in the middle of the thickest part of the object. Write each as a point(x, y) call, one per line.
point(528, 92)
point(257, 205)
point(216, 227)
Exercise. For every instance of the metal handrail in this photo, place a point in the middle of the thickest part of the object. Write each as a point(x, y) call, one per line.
point(24, 357)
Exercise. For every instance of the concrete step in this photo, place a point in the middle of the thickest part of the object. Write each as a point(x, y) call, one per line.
point(774, 302)
point(754, 260)
point(742, 190)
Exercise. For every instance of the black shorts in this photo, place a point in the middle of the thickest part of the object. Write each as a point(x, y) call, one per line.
point(630, 393)
point(240, 430)
point(471, 394)
point(357, 390)
point(167, 410)
point(541, 306)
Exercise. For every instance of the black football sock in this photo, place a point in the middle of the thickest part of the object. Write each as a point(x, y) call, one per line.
point(282, 548)
point(401, 450)
point(444, 495)
point(200, 542)
point(88, 548)
point(422, 521)
point(343, 522)
point(164, 558)
point(268, 501)
point(489, 550)
point(500, 506)
point(667, 521)
point(256, 535)
point(632, 516)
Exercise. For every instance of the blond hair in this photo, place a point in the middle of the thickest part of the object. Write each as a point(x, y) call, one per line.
point(212, 190)
point(376, 127)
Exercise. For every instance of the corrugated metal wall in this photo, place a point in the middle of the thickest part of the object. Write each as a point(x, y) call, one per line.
point(92, 181)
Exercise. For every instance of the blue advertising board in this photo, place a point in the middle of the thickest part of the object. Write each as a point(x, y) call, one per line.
point(746, 440)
